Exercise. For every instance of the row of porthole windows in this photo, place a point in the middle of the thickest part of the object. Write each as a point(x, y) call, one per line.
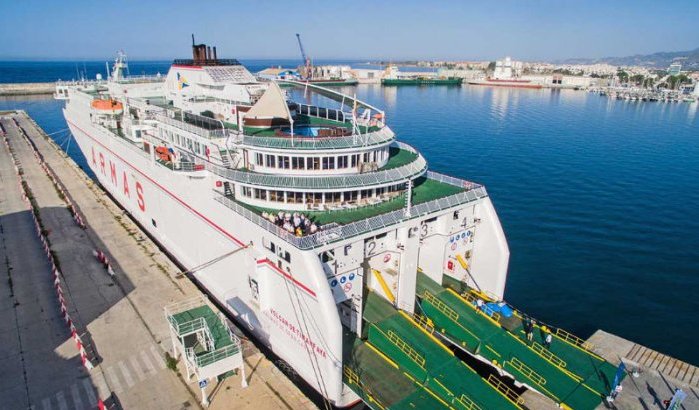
point(351, 197)
point(318, 163)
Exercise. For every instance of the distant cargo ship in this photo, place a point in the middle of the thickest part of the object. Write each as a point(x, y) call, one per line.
point(507, 73)
point(394, 77)
point(493, 82)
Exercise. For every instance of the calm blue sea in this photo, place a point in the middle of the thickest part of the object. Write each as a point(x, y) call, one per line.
point(599, 198)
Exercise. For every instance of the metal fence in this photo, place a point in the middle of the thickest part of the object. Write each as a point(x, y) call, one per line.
point(400, 174)
point(473, 193)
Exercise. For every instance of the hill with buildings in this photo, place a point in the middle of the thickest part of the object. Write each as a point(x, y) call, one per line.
point(688, 59)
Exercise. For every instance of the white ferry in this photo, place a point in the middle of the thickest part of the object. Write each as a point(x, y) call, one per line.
point(324, 237)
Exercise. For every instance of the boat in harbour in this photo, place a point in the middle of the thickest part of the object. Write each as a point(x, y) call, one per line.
point(392, 76)
point(325, 238)
point(507, 73)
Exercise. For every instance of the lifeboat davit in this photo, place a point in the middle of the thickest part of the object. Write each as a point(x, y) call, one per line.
point(109, 106)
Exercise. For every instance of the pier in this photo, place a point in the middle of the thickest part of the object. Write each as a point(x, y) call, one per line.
point(83, 305)
point(15, 89)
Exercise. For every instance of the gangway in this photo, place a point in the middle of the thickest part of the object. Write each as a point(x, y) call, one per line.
point(204, 340)
point(557, 372)
point(407, 344)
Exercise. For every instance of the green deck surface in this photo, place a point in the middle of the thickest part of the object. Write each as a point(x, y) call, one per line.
point(382, 384)
point(425, 190)
point(431, 363)
point(398, 157)
point(474, 331)
point(218, 331)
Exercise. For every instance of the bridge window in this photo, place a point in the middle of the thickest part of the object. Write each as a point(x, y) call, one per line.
point(258, 159)
point(328, 162)
point(270, 161)
point(342, 161)
point(246, 191)
point(355, 160)
point(313, 163)
point(283, 162)
point(298, 163)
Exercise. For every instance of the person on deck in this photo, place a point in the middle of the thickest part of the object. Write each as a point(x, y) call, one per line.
point(547, 340)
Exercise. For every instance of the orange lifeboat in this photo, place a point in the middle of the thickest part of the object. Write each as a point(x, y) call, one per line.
point(109, 106)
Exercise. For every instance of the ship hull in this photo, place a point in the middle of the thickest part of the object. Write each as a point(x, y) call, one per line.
point(510, 84)
point(422, 81)
point(178, 211)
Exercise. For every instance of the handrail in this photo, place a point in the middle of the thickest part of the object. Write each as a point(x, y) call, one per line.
point(548, 355)
point(441, 306)
point(411, 170)
point(403, 346)
point(467, 403)
point(216, 355)
point(527, 371)
point(383, 135)
point(498, 385)
point(372, 224)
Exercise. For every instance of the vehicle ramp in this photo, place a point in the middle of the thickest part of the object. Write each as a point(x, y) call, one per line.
point(480, 332)
point(575, 352)
point(412, 350)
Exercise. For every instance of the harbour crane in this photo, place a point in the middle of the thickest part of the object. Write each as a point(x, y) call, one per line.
point(307, 61)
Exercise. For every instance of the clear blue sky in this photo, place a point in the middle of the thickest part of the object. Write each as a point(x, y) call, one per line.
point(428, 29)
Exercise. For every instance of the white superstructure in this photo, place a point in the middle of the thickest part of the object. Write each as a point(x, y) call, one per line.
point(205, 158)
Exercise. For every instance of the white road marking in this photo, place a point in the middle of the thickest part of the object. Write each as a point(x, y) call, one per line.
point(159, 357)
point(90, 391)
point(140, 374)
point(127, 375)
point(60, 398)
point(113, 379)
point(77, 400)
point(146, 362)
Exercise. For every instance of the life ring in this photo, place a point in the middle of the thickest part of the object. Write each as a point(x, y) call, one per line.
point(387, 258)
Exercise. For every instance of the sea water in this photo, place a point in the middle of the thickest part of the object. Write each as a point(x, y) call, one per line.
point(599, 198)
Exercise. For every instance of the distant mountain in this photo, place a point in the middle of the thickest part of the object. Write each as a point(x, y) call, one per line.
point(662, 60)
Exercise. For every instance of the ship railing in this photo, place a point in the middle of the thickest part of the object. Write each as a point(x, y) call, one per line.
point(202, 132)
point(321, 112)
point(400, 174)
point(381, 136)
point(375, 223)
point(205, 359)
point(182, 166)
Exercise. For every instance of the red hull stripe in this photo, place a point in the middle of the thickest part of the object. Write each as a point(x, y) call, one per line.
point(194, 211)
point(286, 275)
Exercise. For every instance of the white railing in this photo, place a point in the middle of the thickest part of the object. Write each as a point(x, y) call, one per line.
point(378, 137)
point(202, 132)
point(316, 111)
point(473, 193)
point(399, 174)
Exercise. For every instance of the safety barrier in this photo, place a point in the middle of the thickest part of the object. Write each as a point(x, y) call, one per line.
point(527, 371)
point(574, 340)
point(548, 355)
point(27, 196)
point(102, 258)
point(467, 403)
point(439, 305)
point(353, 378)
point(406, 348)
point(505, 390)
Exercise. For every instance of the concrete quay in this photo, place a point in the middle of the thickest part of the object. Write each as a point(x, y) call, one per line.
point(653, 376)
point(120, 319)
point(27, 89)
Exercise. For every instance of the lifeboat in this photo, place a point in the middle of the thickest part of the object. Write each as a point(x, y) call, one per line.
point(108, 106)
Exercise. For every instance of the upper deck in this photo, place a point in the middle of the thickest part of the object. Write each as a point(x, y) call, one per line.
point(431, 194)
